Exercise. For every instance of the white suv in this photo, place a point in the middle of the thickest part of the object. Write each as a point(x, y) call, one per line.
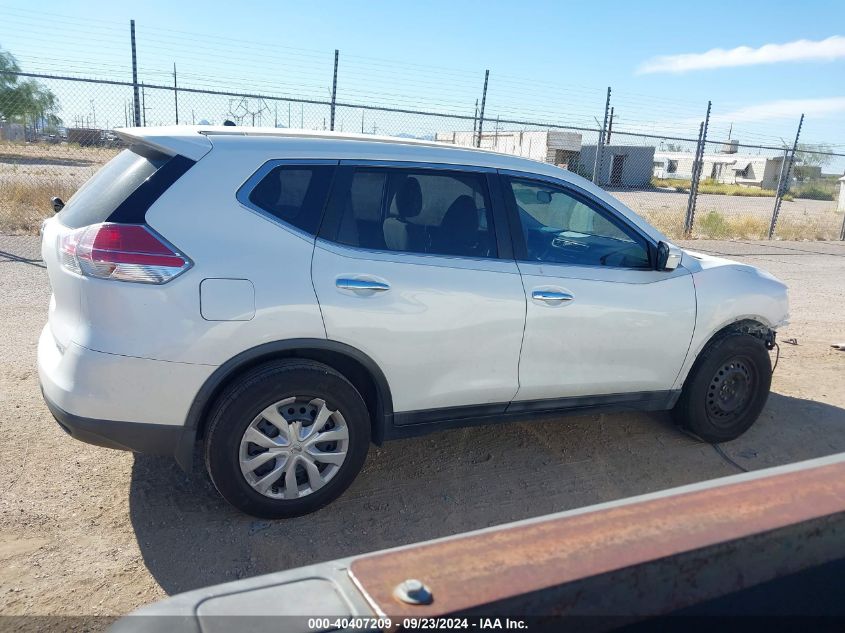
point(287, 298)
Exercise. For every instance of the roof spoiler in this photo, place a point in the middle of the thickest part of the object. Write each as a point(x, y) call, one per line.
point(170, 141)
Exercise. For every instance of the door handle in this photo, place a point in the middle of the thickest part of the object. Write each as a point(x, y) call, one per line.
point(552, 297)
point(361, 285)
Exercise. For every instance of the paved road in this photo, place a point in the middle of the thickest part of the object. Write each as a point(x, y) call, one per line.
point(93, 531)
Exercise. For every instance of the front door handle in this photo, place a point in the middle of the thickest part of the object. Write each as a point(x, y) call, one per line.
point(363, 286)
point(552, 297)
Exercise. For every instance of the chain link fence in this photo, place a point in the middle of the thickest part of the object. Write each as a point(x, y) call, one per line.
point(687, 185)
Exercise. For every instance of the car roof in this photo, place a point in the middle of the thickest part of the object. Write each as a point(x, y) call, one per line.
point(193, 142)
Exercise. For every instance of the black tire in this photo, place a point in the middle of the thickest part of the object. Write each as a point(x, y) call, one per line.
point(726, 389)
point(240, 404)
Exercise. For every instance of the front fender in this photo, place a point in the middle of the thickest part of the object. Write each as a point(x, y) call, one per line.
point(727, 292)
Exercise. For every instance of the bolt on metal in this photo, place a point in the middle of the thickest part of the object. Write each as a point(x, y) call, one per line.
point(413, 591)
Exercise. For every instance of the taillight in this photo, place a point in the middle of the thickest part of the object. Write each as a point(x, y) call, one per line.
point(128, 252)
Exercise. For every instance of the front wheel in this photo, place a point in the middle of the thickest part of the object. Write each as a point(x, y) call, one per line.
point(726, 388)
point(286, 439)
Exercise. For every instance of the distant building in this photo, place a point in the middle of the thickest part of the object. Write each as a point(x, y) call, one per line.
point(550, 146)
point(12, 131)
point(726, 167)
point(620, 165)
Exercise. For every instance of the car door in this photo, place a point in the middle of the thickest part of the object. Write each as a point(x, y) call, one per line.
point(600, 319)
point(411, 269)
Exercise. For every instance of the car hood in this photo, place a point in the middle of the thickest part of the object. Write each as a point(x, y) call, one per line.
point(697, 262)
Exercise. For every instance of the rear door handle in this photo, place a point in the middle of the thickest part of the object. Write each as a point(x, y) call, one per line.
point(552, 297)
point(362, 286)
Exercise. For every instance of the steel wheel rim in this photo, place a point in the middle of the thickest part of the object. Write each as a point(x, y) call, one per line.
point(293, 448)
point(730, 391)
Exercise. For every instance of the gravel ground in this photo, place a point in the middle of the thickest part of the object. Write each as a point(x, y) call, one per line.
point(90, 531)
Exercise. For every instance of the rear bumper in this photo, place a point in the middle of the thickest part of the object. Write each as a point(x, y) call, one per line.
point(152, 439)
point(120, 401)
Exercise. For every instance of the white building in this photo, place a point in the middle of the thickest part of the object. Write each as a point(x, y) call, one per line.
point(724, 167)
point(551, 146)
point(619, 165)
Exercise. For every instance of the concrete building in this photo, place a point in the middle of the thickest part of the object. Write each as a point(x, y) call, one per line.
point(551, 146)
point(724, 167)
point(620, 165)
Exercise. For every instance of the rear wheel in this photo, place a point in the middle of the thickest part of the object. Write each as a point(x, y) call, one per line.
point(286, 439)
point(726, 388)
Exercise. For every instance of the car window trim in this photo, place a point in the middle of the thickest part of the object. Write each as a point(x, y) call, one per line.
point(245, 190)
point(330, 227)
point(581, 195)
point(487, 264)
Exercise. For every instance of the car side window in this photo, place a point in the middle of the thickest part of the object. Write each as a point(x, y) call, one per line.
point(560, 228)
point(295, 194)
point(433, 212)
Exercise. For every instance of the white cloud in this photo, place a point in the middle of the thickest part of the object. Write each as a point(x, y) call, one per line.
point(800, 50)
point(785, 109)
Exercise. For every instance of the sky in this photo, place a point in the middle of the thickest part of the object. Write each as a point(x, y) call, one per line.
point(760, 65)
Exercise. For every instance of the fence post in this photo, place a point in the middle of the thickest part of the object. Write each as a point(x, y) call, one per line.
point(135, 75)
point(481, 114)
point(842, 230)
point(697, 166)
point(840, 206)
point(475, 121)
point(175, 94)
point(334, 88)
point(597, 162)
point(782, 171)
point(783, 184)
point(688, 217)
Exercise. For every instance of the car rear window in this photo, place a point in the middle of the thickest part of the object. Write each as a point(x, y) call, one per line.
point(110, 187)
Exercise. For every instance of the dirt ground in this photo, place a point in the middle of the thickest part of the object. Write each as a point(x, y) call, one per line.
point(91, 531)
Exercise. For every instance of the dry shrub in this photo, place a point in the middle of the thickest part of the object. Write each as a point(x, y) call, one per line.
point(24, 205)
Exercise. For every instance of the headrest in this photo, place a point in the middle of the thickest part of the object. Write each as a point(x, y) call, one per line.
point(409, 198)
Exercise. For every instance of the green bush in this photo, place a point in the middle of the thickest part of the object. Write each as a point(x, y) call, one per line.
point(713, 225)
point(812, 193)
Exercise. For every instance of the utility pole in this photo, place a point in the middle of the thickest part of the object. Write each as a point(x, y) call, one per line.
point(175, 95)
point(609, 126)
point(598, 162)
point(483, 102)
point(783, 185)
point(334, 89)
point(135, 75)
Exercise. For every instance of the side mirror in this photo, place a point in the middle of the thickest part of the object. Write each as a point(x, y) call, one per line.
point(544, 197)
point(58, 205)
point(668, 256)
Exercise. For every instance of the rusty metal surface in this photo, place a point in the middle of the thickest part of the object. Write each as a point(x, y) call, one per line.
point(468, 572)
